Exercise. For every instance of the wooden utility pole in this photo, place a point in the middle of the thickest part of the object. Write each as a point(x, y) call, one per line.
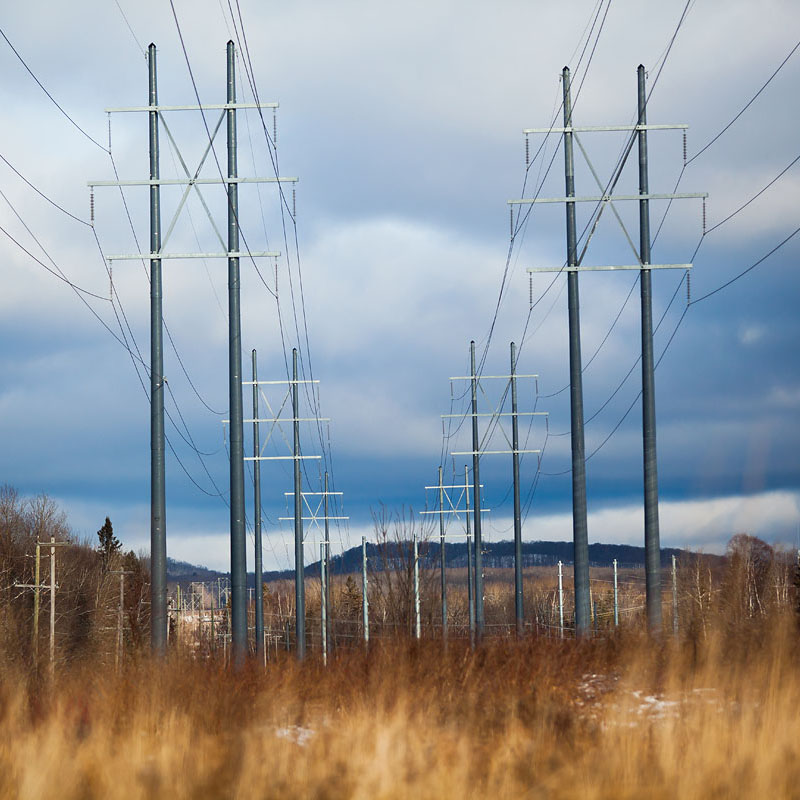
point(120, 619)
point(52, 544)
point(36, 606)
point(36, 586)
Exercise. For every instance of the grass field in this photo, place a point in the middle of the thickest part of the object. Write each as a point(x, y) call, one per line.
point(623, 716)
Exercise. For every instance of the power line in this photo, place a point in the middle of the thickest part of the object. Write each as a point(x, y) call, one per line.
point(128, 25)
point(754, 197)
point(55, 272)
point(719, 134)
point(744, 272)
point(746, 105)
point(52, 99)
point(42, 194)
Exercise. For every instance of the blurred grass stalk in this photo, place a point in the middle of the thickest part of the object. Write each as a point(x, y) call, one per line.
point(713, 714)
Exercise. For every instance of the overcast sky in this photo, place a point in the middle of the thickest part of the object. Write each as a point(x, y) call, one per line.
point(403, 123)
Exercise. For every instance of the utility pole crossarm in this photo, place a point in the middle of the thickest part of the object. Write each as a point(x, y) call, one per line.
point(480, 378)
point(277, 383)
point(312, 494)
point(606, 128)
point(608, 268)
point(452, 486)
point(499, 414)
point(453, 511)
point(162, 256)
point(191, 181)
point(490, 452)
point(281, 458)
point(605, 198)
point(285, 419)
point(204, 107)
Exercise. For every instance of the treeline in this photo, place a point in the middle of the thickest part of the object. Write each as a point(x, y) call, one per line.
point(87, 580)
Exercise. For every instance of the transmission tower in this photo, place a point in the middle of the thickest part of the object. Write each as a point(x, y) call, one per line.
point(638, 133)
point(192, 181)
point(514, 452)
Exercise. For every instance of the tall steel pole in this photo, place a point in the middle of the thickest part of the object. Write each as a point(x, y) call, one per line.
point(442, 557)
point(238, 552)
point(158, 532)
point(364, 596)
point(561, 599)
point(299, 575)
point(580, 534)
point(327, 559)
point(674, 597)
point(259, 577)
point(323, 577)
point(476, 496)
point(470, 574)
point(417, 620)
point(652, 545)
point(518, 607)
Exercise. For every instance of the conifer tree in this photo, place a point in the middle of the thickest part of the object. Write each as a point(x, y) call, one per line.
point(109, 544)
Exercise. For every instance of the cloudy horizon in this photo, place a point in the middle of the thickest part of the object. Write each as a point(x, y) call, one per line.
point(403, 123)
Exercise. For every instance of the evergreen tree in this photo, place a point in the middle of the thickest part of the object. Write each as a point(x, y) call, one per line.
point(109, 544)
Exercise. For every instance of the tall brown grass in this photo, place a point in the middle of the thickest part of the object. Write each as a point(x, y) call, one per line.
point(624, 716)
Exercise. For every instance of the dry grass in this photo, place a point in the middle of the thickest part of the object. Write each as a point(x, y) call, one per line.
point(621, 717)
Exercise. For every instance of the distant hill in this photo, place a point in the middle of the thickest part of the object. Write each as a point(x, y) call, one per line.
point(495, 555)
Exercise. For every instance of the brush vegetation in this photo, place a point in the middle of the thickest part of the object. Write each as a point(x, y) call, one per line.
point(625, 716)
point(708, 712)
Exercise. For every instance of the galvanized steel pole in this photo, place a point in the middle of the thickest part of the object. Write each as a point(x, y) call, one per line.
point(561, 599)
point(518, 606)
point(476, 496)
point(323, 577)
point(674, 596)
point(580, 534)
point(158, 534)
point(327, 558)
point(238, 552)
point(364, 587)
point(417, 620)
point(652, 546)
point(299, 576)
point(470, 574)
point(442, 557)
point(616, 596)
point(259, 576)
